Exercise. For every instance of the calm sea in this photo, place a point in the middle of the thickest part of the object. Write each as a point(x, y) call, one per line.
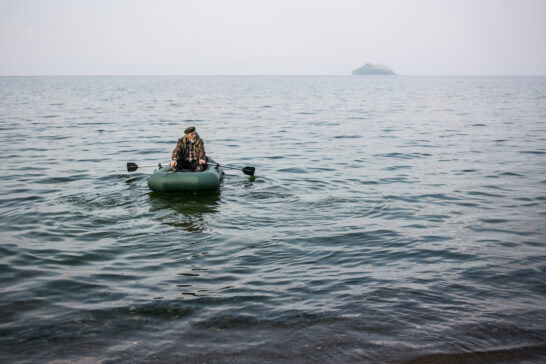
point(391, 219)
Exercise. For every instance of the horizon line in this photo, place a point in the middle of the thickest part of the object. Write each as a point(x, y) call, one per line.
point(262, 75)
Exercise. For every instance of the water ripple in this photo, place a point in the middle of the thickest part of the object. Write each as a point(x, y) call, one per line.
point(389, 220)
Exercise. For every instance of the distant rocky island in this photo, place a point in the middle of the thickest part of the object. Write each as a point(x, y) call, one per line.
point(373, 69)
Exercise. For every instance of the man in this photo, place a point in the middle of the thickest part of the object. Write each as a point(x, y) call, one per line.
point(189, 152)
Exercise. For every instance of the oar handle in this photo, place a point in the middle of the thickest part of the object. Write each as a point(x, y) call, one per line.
point(249, 171)
point(222, 165)
point(131, 167)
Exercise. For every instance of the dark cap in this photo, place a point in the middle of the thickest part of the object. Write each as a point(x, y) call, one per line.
point(191, 129)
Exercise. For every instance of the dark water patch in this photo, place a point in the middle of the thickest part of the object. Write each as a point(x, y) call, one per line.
point(92, 200)
point(7, 202)
point(21, 274)
point(364, 182)
point(292, 170)
point(397, 155)
point(507, 244)
point(32, 259)
point(17, 307)
point(275, 157)
point(70, 287)
point(494, 221)
point(154, 152)
point(42, 236)
point(348, 137)
point(8, 250)
point(521, 354)
point(400, 179)
point(428, 256)
point(233, 345)
point(396, 168)
point(35, 149)
point(537, 243)
point(83, 258)
point(130, 181)
point(262, 195)
point(96, 235)
point(61, 180)
point(192, 294)
point(276, 347)
point(537, 152)
point(191, 226)
point(115, 277)
point(482, 229)
point(58, 137)
point(495, 187)
point(511, 174)
point(435, 217)
point(320, 184)
point(524, 199)
point(483, 194)
point(185, 203)
point(417, 226)
point(332, 201)
point(91, 160)
point(189, 274)
point(389, 237)
point(437, 197)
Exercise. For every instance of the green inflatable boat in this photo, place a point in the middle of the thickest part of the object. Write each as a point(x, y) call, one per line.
point(167, 180)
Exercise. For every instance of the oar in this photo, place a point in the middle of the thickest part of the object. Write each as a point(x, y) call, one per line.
point(131, 167)
point(249, 171)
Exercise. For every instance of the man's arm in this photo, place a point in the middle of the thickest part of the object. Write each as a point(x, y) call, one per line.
point(202, 154)
point(177, 150)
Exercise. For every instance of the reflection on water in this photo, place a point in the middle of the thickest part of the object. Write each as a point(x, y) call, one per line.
point(185, 210)
point(250, 181)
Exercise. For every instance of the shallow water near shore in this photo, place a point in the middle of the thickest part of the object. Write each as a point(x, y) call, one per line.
point(391, 219)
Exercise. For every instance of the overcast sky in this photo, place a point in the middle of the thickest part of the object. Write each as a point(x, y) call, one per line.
point(246, 37)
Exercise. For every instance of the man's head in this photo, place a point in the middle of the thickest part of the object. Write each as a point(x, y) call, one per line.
point(190, 133)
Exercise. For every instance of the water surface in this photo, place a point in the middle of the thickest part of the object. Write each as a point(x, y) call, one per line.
point(391, 219)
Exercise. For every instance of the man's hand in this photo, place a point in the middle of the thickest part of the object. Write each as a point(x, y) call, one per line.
point(202, 161)
point(173, 164)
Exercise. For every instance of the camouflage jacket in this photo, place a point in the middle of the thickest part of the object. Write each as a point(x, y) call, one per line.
point(181, 151)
